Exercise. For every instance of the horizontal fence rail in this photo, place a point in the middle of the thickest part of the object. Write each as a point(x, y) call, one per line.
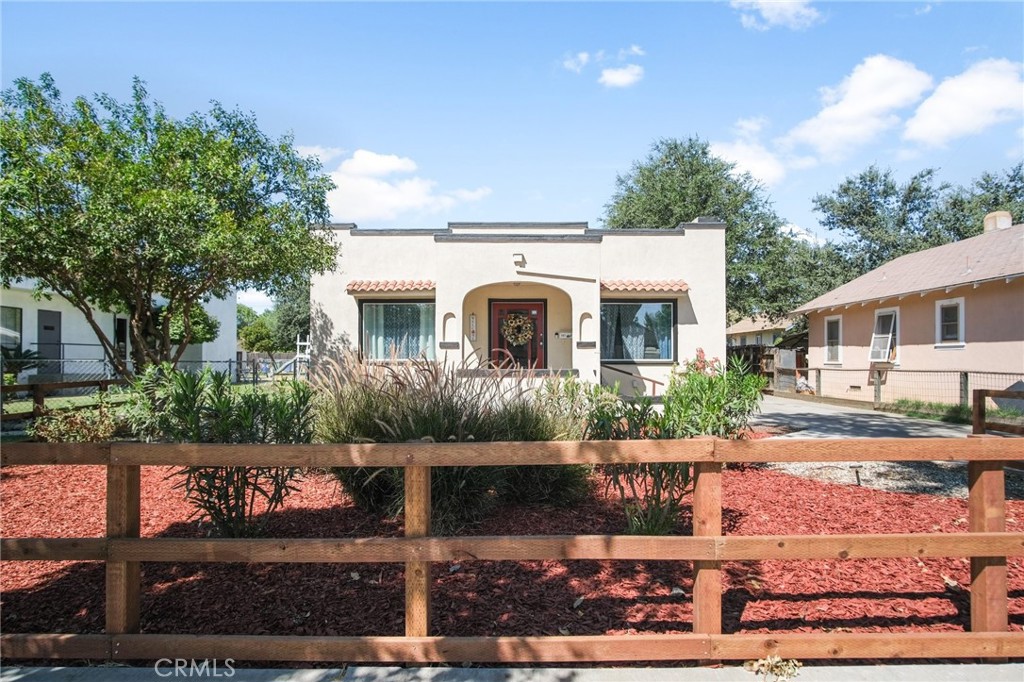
point(986, 543)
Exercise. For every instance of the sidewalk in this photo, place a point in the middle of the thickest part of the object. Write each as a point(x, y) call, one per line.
point(1013, 672)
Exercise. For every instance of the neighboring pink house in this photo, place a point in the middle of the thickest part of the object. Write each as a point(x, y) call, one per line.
point(953, 308)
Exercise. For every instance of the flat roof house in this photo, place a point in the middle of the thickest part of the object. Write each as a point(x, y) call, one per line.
point(615, 306)
point(953, 308)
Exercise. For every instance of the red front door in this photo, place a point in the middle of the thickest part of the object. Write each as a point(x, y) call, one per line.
point(517, 334)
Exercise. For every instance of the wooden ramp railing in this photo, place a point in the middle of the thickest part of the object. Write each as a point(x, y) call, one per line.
point(987, 544)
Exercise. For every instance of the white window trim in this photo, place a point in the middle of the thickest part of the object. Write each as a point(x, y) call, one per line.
point(939, 343)
point(896, 333)
point(839, 347)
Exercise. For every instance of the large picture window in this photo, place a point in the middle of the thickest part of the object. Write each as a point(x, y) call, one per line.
point(833, 339)
point(398, 331)
point(637, 330)
point(10, 327)
point(885, 337)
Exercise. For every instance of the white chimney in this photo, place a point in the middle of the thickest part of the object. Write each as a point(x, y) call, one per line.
point(998, 220)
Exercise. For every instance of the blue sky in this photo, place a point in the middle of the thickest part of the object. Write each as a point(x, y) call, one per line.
point(426, 113)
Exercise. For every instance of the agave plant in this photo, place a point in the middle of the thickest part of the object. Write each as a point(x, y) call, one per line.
point(17, 359)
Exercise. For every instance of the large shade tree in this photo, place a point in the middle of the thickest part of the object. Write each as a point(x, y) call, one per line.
point(881, 218)
point(680, 180)
point(121, 207)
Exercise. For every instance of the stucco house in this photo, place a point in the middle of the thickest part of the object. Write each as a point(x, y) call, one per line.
point(756, 331)
point(953, 308)
point(615, 306)
point(59, 331)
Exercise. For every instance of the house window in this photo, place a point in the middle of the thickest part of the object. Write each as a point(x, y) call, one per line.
point(833, 339)
point(757, 340)
point(398, 330)
point(949, 322)
point(10, 327)
point(637, 330)
point(885, 338)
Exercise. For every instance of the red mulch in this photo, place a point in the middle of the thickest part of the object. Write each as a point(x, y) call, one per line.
point(495, 598)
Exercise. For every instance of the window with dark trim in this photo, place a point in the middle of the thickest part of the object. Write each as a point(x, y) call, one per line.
point(638, 330)
point(398, 330)
point(10, 327)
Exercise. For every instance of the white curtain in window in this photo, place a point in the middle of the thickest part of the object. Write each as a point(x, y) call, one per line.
point(398, 330)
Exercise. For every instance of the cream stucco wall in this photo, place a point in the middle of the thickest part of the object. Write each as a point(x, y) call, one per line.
point(562, 264)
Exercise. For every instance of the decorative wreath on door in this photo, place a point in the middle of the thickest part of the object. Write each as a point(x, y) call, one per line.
point(517, 329)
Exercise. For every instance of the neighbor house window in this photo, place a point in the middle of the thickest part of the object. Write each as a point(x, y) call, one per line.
point(885, 337)
point(949, 322)
point(398, 331)
point(637, 330)
point(10, 327)
point(833, 339)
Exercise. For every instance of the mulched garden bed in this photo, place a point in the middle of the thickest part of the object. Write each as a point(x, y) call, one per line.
point(496, 598)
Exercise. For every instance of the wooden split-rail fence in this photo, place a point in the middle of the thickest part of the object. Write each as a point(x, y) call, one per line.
point(987, 543)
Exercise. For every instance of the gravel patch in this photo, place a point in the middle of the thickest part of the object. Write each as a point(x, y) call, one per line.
point(948, 479)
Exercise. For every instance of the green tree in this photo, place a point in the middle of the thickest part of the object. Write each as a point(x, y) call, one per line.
point(245, 316)
point(680, 180)
point(258, 337)
point(291, 314)
point(115, 206)
point(883, 219)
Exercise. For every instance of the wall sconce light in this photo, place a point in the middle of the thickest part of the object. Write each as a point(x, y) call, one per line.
point(519, 260)
point(472, 326)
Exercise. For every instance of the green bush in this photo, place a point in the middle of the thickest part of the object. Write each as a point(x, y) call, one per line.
point(424, 400)
point(705, 399)
point(205, 408)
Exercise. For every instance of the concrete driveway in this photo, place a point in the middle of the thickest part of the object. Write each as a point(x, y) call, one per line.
point(819, 420)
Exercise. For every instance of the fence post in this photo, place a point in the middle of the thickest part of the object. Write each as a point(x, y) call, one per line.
point(417, 573)
point(38, 400)
point(707, 522)
point(978, 412)
point(986, 513)
point(123, 579)
point(965, 389)
point(817, 383)
point(877, 373)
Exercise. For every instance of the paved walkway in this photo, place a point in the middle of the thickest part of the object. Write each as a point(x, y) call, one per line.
point(871, 673)
point(821, 420)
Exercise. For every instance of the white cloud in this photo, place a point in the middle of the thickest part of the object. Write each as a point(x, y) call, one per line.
point(749, 155)
point(761, 15)
point(622, 77)
point(987, 93)
point(257, 300)
point(576, 62)
point(631, 51)
point(325, 154)
point(365, 162)
point(752, 157)
point(922, 10)
point(861, 107)
point(799, 233)
point(365, 192)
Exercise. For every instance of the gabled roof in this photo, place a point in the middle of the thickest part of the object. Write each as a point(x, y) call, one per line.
point(758, 324)
point(997, 254)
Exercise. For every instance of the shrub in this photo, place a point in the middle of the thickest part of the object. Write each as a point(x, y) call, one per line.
point(205, 408)
point(705, 399)
point(76, 426)
point(424, 400)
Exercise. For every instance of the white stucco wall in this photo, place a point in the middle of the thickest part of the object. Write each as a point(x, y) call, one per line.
point(562, 264)
point(79, 339)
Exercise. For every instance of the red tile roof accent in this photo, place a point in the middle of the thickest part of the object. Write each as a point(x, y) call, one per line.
point(655, 285)
point(366, 286)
